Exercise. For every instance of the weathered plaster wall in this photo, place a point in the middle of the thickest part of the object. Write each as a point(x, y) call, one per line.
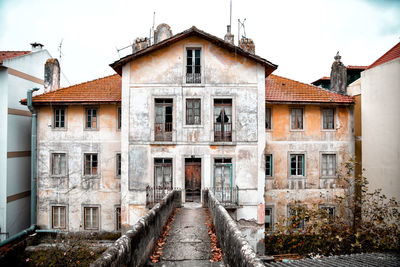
point(381, 128)
point(75, 190)
point(310, 190)
point(224, 75)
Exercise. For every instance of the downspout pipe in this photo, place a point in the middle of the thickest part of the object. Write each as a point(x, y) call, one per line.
point(32, 228)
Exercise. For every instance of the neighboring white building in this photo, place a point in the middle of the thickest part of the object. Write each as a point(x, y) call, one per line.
point(19, 71)
point(380, 98)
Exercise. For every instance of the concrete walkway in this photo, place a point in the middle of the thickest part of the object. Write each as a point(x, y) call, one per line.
point(188, 243)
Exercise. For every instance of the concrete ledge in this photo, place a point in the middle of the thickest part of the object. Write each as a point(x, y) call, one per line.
point(237, 251)
point(135, 246)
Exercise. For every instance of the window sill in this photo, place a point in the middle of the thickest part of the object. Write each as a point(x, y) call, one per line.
point(223, 143)
point(328, 130)
point(59, 129)
point(297, 177)
point(297, 130)
point(270, 177)
point(59, 176)
point(328, 177)
point(91, 176)
point(163, 143)
point(90, 130)
point(193, 85)
point(268, 130)
point(193, 126)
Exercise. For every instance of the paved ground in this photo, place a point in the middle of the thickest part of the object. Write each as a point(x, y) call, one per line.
point(188, 243)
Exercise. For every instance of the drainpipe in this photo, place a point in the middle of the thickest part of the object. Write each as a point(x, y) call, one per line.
point(32, 228)
point(33, 155)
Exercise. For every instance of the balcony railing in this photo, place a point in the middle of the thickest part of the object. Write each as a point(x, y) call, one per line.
point(163, 131)
point(193, 77)
point(155, 195)
point(222, 132)
point(227, 196)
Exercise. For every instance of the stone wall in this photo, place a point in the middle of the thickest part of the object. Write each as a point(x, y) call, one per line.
point(136, 245)
point(237, 251)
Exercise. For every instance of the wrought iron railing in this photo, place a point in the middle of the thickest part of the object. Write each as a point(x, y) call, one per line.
point(222, 132)
point(227, 196)
point(156, 195)
point(193, 77)
point(163, 131)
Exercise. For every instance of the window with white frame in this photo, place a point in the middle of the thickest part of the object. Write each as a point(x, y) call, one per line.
point(296, 216)
point(58, 164)
point(328, 165)
point(59, 118)
point(330, 211)
point(268, 165)
point(193, 111)
point(296, 119)
point(193, 65)
point(163, 173)
point(269, 220)
point(328, 121)
point(91, 164)
point(297, 165)
point(91, 218)
point(91, 115)
point(58, 217)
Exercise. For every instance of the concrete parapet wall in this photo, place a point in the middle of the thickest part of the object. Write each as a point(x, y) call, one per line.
point(135, 246)
point(237, 251)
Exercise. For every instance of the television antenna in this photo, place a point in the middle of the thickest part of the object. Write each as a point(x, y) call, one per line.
point(59, 49)
point(241, 25)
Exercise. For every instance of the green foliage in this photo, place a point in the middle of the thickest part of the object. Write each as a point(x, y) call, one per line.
point(367, 222)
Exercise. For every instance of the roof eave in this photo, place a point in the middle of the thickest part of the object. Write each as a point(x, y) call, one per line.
point(309, 102)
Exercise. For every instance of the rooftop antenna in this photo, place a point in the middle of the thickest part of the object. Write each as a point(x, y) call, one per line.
point(151, 37)
point(59, 49)
point(230, 18)
point(241, 25)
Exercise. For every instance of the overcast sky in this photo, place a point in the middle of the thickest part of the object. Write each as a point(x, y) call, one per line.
point(301, 37)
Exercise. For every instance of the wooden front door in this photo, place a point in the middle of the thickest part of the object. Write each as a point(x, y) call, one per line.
point(193, 179)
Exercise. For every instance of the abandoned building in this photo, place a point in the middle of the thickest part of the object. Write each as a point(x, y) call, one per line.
point(191, 111)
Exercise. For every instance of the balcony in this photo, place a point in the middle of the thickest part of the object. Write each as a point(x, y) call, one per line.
point(163, 131)
point(222, 132)
point(227, 196)
point(193, 77)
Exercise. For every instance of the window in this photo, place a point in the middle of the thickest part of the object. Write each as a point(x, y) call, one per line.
point(268, 120)
point(119, 118)
point(193, 111)
point(297, 165)
point(269, 222)
point(328, 119)
point(328, 165)
point(296, 217)
point(118, 218)
point(222, 120)
point(296, 119)
point(91, 218)
point(268, 165)
point(193, 65)
point(58, 164)
point(91, 164)
point(223, 172)
point(163, 119)
point(330, 212)
point(91, 118)
point(58, 217)
point(118, 165)
point(163, 173)
point(59, 118)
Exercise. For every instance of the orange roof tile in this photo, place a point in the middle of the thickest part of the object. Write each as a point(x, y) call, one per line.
point(281, 89)
point(353, 67)
point(11, 54)
point(393, 53)
point(107, 89)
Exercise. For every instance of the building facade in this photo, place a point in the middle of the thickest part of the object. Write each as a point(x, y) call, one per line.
point(19, 71)
point(190, 111)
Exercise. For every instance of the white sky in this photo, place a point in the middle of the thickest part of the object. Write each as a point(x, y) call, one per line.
point(301, 36)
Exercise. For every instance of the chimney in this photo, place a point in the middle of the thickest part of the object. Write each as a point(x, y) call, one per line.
point(247, 45)
point(51, 75)
point(338, 76)
point(36, 47)
point(229, 37)
point(162, 32)
point(140, 43)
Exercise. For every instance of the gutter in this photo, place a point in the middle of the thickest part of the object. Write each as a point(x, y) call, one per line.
point(33, 226)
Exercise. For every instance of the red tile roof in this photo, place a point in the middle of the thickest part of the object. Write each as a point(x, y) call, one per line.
point(390, 55)
point(11, 54)
point(323, 79)
point(280, 89)
point(353, 67)
point(103, 90)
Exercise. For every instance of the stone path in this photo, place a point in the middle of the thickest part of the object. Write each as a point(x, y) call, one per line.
point(188, 243)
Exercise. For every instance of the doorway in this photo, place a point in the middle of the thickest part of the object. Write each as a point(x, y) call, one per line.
point(192, 179)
